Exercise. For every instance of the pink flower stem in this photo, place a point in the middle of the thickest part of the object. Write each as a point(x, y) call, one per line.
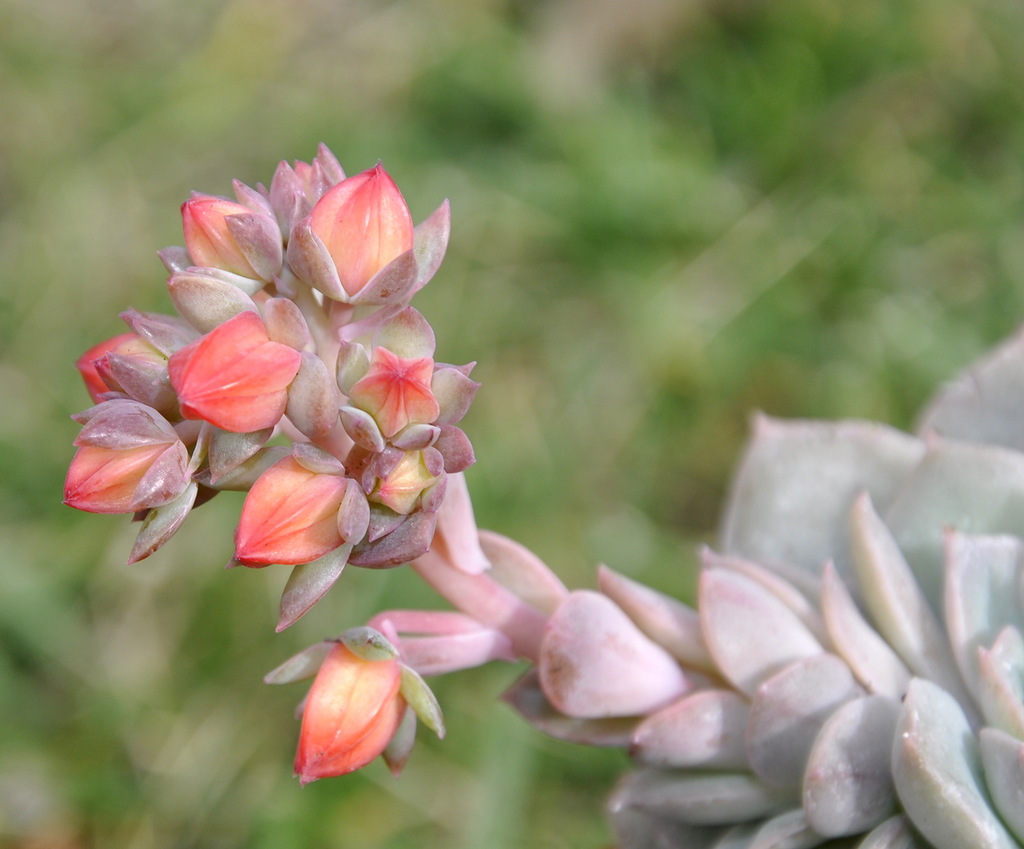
point(487, 601)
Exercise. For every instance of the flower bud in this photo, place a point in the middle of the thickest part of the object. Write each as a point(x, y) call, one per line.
point(364, 223)
point(95, 385)
point(353, 710)
point(290, 516)
point(396, 391)
point(401, 488)
point(129, 458)
point(220, 233)
point(235, 377)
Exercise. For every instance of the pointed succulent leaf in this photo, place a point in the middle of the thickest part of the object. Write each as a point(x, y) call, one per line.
point(422, 700)
point(982, 574)
point(876, 666)
point(787, 712)
point(705, 729)
point(670, 623)
point(353, 363)
point(205, 300)
point(986, 402)
point(407, 334)
point(802, 476)
point(637, 829)
point(397, 752)
point(738, 837)
point(698, 798)
point(362, 429)
point(174, 258)
point(416, 437)
point(312, 404)
point(161, 523)
point(1003, 759)
point(518, 569)
point(788, 830)
point(527, 697)
point(1000, 690)
point(393, 284)
point(246, 473)
point(430, 241)
point(308, 583)
point(405, 543)
point(895, 600)
point(976, 489)
point(456, 449)
point(311, 262)
point(164, 332)
point(937, 771)
point(895, 833)
point(594, 662)
point(847, 785)
point(286, 324)
point(301, 666)
point(736, 614)
point(227, 450)
point(454, 391)
point(784, 590)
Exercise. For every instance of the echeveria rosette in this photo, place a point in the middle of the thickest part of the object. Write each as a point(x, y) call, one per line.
point(855, 663)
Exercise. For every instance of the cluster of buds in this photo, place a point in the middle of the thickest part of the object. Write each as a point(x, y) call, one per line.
point(295, 371)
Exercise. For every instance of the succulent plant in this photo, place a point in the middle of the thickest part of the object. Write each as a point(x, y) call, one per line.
point(853, 673)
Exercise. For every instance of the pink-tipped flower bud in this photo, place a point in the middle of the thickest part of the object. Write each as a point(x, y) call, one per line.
point(235, 377)
point(290, 516)
point(354, 708)
point(364, 223)
point(396, 391)
point(221, 233)
point(129, 458)
point(95, 385)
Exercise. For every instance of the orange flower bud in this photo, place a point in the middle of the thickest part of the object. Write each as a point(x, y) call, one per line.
point(208, 238)
point(129, 458)
point(353, 710)
point(234, 377)
point(290, 516)
point(364, 223)
point(401, 489)
point(86, 364)
point(396, 391)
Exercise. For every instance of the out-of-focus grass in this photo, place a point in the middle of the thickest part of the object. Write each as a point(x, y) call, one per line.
point(666, 214)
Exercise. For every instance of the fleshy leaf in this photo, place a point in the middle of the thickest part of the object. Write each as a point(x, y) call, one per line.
point(705, 729)
point(1000, 688)
point(308, 583)
point(1003, 758)
point(594, 662)
point(895, 833)
point(787, 713)
point(976, 489)
point(671, 624)
point(877, 667)
point(698, 798)
point(736, 614)
point(937, 770)
point(422, 700)
point(982, 574)
point(986, 402)
point(803, 476)
point(848, 780)
point(303, 665)
point(518, 569)
point(527, 697)
point(786, 831)
point(900, 609)
point(161, 523)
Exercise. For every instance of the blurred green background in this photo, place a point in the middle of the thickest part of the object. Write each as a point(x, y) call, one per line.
point(667, 213)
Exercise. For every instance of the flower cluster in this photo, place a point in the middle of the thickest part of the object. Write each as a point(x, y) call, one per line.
point(295, 371)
